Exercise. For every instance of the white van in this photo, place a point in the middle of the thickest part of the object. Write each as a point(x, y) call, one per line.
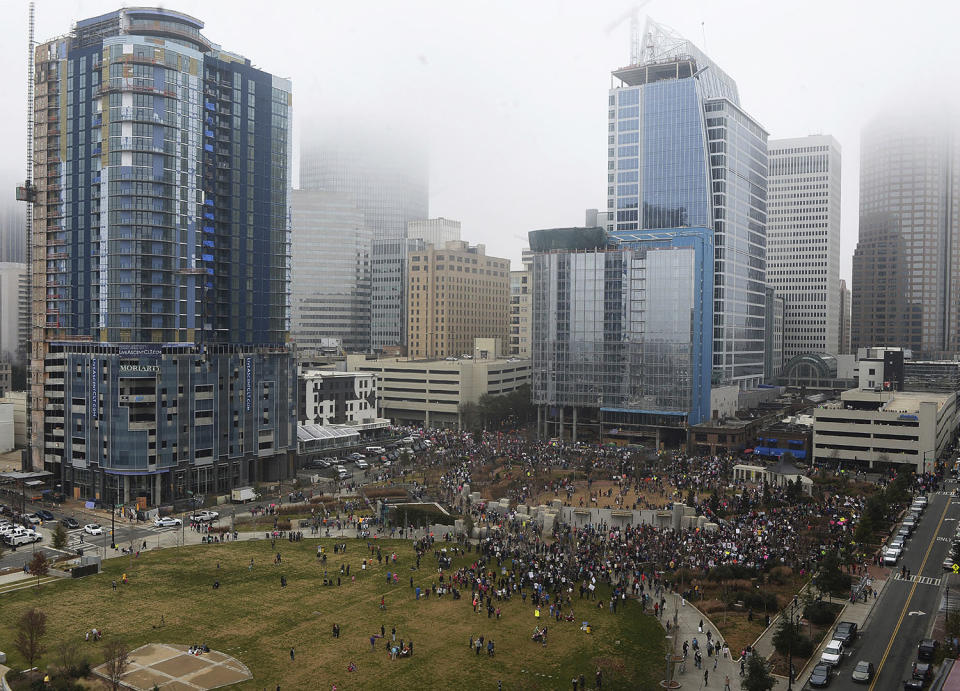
point(376, 449)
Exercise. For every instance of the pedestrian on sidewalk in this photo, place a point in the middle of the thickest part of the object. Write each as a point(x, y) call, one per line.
point(726, 683)
point(706, 677)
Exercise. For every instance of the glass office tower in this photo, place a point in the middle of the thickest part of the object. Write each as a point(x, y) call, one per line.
point(388, 180)
point(621, 330)
point(331, 272)
point(683, 153)
point(161, 271)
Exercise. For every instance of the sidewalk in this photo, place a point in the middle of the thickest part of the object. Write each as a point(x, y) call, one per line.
point(688, 618)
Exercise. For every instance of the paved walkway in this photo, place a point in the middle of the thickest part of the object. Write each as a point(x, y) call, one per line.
point(688, 618)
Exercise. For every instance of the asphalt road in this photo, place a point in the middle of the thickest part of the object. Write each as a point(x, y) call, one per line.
point(906, 609)
point(77, 539)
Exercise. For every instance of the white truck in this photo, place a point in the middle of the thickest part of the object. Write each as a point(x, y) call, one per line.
point(241, 495)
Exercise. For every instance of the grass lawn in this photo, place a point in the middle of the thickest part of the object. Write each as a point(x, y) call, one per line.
point(252, 618)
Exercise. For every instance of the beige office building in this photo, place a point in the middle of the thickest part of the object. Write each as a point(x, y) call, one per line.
point(432, 392)
point(455, 293)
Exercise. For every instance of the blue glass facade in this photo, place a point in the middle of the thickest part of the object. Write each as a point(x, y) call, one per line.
point(165, 261)
point(625, 327)
point(682, 153)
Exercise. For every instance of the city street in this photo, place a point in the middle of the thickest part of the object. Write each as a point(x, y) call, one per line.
point(905, 611)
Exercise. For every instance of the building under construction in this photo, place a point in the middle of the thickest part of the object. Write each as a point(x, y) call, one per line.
point(160, 262)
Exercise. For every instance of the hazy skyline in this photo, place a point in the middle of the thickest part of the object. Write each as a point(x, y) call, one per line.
point(511, 98)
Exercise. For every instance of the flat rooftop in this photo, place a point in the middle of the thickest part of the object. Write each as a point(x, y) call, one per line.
point(909, 401)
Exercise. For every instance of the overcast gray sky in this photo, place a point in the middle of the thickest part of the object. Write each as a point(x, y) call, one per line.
point(511, 96)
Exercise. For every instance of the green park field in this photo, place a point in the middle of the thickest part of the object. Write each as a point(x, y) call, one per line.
point(170, 599)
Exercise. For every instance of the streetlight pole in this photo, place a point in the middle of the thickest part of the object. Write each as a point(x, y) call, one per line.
point(793, 630)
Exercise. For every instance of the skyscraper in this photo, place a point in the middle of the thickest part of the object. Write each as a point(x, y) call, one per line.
point(906, 268)
point(389, 183)
point(683, 153)
point(803, 241)
point(330, 272)
point(161, 247)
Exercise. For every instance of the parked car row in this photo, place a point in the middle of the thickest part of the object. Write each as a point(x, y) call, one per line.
point(844, 636)
point(893, 551)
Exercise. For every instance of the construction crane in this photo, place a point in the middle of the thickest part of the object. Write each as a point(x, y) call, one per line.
point(28, 193)
point(633, 14)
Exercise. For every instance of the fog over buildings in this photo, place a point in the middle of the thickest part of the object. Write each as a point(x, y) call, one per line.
point(510, 98)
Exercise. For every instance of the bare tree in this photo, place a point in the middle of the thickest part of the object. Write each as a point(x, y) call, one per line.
point(31, 628)
point(39, 566)
point(116, 660)
point(68, 657)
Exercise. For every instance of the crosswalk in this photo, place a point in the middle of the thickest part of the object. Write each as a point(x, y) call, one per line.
point(78, 539)
point(922, 580)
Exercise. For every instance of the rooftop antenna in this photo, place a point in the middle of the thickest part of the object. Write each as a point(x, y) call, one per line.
point(703, 30)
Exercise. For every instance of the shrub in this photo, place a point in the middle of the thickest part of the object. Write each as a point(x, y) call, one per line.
point(283, 524)
point(758, 600)
point(732, 571)
point(780, 575)
point(821, 613)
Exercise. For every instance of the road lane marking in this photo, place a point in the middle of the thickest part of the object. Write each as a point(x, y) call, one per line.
point(906, 605)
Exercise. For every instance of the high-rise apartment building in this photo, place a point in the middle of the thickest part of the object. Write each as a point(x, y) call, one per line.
point(803, 241)
point(434, 231)
point(844, 318)
point(161, 272)
point(906, 268)
point(456, 293)
point(330, 278)
point(389, 184)
point(683, 153)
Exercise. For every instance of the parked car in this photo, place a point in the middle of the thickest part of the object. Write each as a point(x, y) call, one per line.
point(356, 456)
point(166, 521)
point(892, 556)
point(863, 672)
point(408, 440)
point(204, 516)
point(904, 532)
point(32, 519)
point(363, 465)
point(846, 632)
point(948, 563)
point(922, 671)
point(70, 523)
point(833, 653)
point(927, 649)
point(46, 515)
point(821, 675)
point(93, 529)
